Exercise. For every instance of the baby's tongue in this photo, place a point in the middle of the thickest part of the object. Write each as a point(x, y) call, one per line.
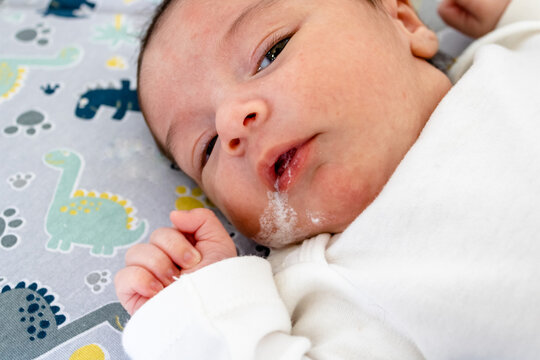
point(283, 162)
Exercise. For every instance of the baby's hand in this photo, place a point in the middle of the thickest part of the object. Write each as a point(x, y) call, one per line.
point(198, 240)
point(474, 18)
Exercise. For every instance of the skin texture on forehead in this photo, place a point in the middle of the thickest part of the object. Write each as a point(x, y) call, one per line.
point(152, 27)
point(157, 19)
point(150, 30)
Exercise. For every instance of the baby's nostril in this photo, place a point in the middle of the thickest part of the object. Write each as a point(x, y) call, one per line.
point(249, 118)
point(233, 144)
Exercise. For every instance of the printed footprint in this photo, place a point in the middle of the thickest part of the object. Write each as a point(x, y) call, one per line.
point(97, 280)
point(20, 181)
point(8, 241)
point(92, 351)
point(197, 199)
point(37, 34)
point(2, 279)
point(49, 89)
point(30, 121)
point(116, 63)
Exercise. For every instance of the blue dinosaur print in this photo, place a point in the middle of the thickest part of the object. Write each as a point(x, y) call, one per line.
point(67, 8)
point(32, 324)
point(122, 99)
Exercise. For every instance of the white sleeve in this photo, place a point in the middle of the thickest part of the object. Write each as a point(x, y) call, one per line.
point(520, 10)
point(222, 311)
point(520, 21)
point(232, 310)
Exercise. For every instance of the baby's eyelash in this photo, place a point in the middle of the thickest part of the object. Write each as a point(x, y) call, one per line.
point(269, 44)
point(208, 150)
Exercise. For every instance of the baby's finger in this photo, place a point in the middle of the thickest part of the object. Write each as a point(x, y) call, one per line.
point(200, 222)
point(454, 14)
point(212, 239)
point(134, 283)
point(154, 260)
point(176, 246)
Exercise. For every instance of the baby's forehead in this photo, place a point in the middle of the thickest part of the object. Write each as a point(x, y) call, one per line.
point(192, 26)
point(195, 13)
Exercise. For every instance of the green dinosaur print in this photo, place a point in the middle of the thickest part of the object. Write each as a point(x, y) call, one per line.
point(14, 70)
point(102, 222)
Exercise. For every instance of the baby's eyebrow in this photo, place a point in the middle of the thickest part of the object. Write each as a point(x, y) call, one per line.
point(249, 12)
point(169, 145)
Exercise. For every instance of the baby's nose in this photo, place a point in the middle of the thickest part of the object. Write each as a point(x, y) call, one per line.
point(236, 124)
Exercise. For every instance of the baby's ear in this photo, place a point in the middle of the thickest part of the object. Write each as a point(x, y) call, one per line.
point(422, 40)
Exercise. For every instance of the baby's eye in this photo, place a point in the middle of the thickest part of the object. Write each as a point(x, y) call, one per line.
point(273, 53)
point(208, 150)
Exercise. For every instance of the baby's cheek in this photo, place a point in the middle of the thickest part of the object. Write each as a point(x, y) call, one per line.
point(243, 214)
point(340, 193)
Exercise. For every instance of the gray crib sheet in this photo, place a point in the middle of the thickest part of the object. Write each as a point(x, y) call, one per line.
point(80, 177)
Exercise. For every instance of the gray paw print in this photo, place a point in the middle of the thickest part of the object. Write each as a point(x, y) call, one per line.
point(97, 280)
point(8, 241)
point(29, 120)
point(2, 279)
point(37, 34)
point(20, 181)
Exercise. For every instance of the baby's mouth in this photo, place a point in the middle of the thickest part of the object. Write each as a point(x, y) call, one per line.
point(283, 162)
point(280, 172)
point(284, 169)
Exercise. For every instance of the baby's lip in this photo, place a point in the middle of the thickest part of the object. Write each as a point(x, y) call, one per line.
point(267, 167)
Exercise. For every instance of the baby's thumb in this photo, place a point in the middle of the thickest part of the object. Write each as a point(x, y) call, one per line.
point(205, 231)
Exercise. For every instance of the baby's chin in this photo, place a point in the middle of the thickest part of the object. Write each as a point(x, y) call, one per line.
point(277, 240)
point(291, 230)
point(281, 224)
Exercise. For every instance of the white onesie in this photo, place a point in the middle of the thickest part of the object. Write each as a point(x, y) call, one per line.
point(448, 254)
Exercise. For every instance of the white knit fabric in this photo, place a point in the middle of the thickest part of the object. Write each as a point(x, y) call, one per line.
point(448, 254)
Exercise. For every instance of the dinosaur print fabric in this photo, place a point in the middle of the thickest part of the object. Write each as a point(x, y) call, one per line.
point(81, 179)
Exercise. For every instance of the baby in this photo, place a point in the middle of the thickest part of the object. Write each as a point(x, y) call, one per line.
point(306, 123)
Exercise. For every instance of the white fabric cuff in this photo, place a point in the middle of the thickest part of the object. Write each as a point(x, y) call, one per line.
point(213, 313)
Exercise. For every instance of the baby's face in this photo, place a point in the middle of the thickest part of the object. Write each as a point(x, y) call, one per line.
point(290, 114)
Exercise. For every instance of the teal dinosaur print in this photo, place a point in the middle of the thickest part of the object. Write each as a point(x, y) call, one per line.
point(13, 70)
point(116, 33)
point(102, 222)
point(32, 324)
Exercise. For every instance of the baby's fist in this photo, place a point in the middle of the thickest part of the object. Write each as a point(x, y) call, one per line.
point(474, 18)
point(206, 233)
point(198, 239)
